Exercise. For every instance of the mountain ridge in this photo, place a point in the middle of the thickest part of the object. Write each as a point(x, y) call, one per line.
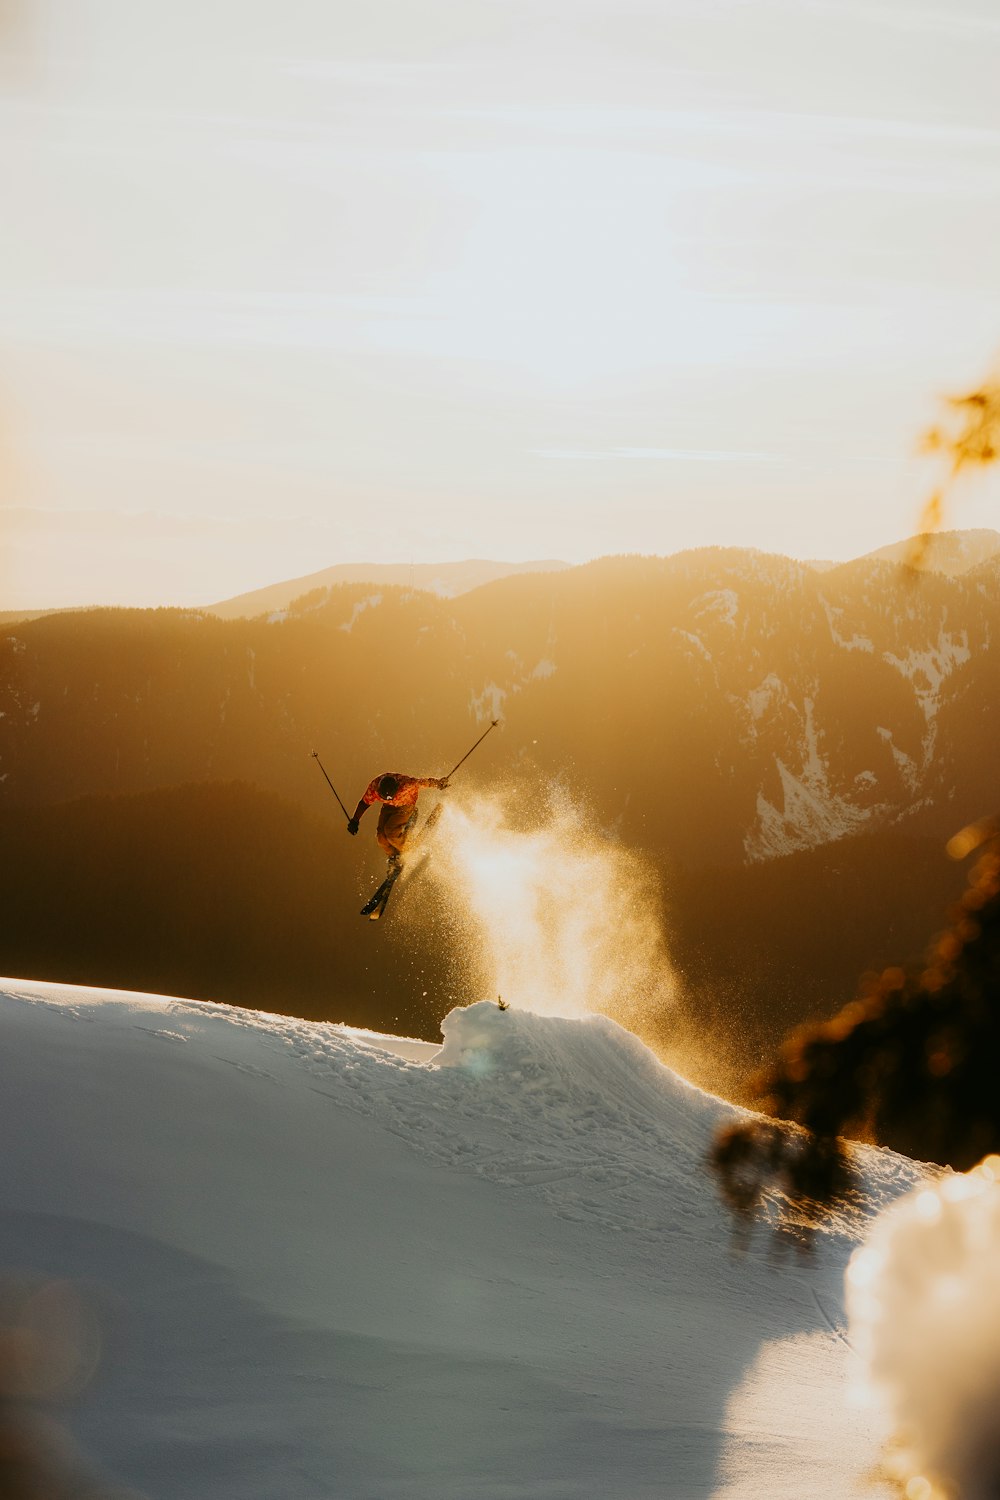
point(447, 580)
point(949, 552)
point(952, 553)
point(775, 707)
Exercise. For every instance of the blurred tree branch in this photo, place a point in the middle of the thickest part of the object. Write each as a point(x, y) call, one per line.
point(911, 1064)
point(969, 437)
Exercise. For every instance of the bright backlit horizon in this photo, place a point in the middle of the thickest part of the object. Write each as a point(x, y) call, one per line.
point(283, 287)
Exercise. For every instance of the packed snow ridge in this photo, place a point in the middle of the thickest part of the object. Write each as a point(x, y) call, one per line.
point(324, 1261)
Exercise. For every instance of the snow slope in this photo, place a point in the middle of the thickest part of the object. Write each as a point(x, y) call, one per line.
point(329, 1263)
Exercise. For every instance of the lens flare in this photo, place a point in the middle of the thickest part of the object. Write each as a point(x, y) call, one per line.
point(968, 439)
point(566, 922)
point(923, 1300)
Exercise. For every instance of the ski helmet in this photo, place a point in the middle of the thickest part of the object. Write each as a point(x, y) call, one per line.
point(388, 786)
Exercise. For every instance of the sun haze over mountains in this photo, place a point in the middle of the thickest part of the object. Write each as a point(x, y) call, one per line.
point(588, 413)
point(444, 579)
point(794, 738)
point(379, 282)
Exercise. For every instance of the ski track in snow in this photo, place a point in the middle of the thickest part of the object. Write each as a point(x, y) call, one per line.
point(495, 1268)
point(578, 1110)
point(497, 1103)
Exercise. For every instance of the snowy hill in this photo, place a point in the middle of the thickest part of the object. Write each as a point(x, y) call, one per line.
point(321, 1262)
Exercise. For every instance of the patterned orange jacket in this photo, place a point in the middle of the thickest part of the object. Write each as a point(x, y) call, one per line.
point(409, 790)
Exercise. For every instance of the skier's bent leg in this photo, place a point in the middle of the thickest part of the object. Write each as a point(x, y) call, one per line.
point(393, 826)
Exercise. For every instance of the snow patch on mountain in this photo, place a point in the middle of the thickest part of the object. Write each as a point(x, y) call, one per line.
point(545, 668)
point(929, 668)
point(489, 703)
point(371, 602)
point(905, 764)
point(694, 641)
point(810, 815)
point(760, 699)
point(811, 812)
point(724, 604)
point(849, 643)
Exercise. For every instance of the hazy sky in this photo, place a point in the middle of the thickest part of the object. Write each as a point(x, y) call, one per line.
point(285, 283)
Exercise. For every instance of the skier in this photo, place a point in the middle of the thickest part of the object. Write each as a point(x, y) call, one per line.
point(398, 795)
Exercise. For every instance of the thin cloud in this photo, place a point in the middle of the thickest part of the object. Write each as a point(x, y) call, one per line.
point(669, 455)
point(907, 18)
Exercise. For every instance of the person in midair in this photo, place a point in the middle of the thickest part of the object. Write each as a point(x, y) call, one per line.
point(398, 795)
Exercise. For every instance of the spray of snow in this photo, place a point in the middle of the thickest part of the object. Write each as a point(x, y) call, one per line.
point(566, 921)
point(924, 1302)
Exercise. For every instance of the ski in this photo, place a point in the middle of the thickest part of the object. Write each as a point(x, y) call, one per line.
point(432, 818)
point(374, 908)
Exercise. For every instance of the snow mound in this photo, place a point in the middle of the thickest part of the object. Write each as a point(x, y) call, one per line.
point(924, 1303)
point(350, 1264)
point(591, 1067)
point(567, 1106)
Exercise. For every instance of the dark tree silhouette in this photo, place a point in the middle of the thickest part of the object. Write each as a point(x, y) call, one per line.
point(910, 1064)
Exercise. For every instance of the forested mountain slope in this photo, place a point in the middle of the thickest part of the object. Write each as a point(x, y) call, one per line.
point(787, 749)
point(721, 705)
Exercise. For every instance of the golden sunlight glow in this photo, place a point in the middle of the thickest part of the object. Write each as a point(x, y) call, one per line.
point(928, 1207)
point(566, 921)
point(863, 1268)
point(919, 1488)
point(970, 439)
point(638, 282)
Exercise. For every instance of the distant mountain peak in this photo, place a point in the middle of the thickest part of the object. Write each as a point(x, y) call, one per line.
point(446, 579)
point(949, 552)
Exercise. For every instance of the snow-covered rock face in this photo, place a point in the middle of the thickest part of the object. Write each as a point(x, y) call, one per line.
point(805, 707)
point(811, 812)
point(924, 1304)
point(930, 667)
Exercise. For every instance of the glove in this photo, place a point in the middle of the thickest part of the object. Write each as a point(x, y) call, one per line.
point(442, 784)
point(352, 825)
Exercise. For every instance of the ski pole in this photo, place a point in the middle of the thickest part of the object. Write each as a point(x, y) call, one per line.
point(315, 756)
point(469, 752)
